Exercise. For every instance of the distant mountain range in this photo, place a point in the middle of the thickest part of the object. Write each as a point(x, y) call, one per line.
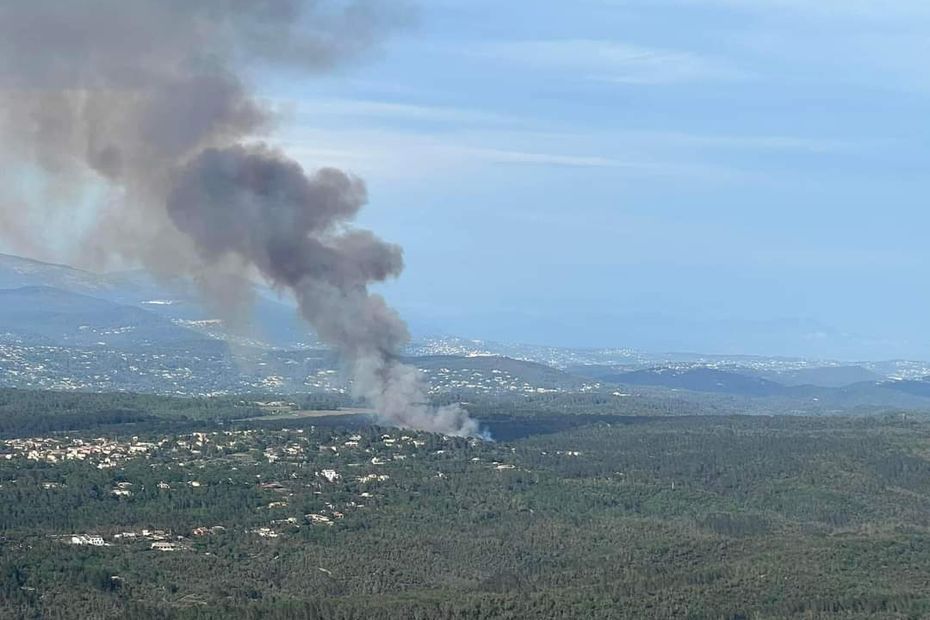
point(273, 321)
point(53, 316)
point(64, 328)
point(697, 379)
point(869, 393)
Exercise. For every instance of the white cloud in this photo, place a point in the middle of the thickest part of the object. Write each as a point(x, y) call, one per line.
point(612, 61)
point(504, 156)
point(881, 10)
point(384, 154)
point(387, 110)
point(395, 153)
point(759, 143)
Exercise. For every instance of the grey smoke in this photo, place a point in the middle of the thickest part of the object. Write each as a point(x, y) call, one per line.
point(150, 98)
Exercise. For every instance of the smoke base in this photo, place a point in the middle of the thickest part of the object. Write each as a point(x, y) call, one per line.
point(150, 99)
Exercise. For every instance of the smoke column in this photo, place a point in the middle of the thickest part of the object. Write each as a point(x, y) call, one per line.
point(148, 98)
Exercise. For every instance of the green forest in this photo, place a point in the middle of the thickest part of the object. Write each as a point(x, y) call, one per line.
point(124, 506)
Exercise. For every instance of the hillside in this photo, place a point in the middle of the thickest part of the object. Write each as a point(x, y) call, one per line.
point(493, 374)
point(209, 515)
point(696, 379)
point(824, 376)
point(51, 316)
point(271, 321)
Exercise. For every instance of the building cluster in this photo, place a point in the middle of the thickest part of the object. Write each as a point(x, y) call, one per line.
point(102, 452)
point(443, 380)
point(307, 477)
point(107, 453)
point(327, 380)
point(98, 365)
point(87, 539)
point(154, 539)
point(158, 540)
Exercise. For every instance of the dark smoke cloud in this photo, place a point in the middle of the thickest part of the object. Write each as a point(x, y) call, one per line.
point(150, 98)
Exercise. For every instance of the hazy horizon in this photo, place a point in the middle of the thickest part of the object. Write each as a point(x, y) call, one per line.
point(668, 175)
point(664, 338)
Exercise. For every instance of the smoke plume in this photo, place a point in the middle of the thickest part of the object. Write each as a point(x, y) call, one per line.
point(149, 99)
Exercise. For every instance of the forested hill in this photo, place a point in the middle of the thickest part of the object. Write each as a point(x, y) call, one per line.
point(640, 517)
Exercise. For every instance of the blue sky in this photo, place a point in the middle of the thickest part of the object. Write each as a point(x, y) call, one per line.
point(723, 176)
point(715, 175)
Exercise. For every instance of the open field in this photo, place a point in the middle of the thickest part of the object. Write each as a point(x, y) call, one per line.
point(314, 413)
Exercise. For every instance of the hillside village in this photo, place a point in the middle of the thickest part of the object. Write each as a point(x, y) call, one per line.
point(294, 478)
point(212, 370)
